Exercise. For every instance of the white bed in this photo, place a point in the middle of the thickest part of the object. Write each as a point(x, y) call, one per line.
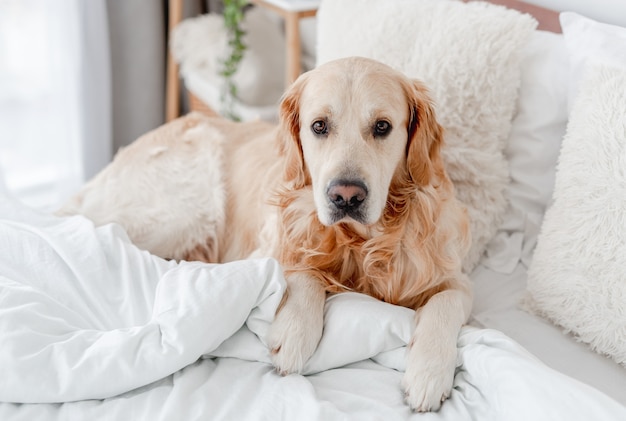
point(92, 328)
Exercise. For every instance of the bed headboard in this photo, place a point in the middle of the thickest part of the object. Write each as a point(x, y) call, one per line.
point(548, 19)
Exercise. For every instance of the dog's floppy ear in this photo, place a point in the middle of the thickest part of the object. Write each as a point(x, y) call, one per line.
point(424, 161)
point(289, 135)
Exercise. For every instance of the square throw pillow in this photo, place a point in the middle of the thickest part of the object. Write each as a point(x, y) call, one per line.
point(578, 275)
point(468, 54)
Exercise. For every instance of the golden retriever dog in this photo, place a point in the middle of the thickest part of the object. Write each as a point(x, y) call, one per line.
point(348, 192)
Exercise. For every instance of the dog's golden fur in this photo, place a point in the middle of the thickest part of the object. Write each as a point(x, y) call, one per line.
point(411, 252)
point(356, 123)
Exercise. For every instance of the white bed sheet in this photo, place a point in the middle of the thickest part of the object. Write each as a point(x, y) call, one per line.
point(93, 328)
point(498, 305)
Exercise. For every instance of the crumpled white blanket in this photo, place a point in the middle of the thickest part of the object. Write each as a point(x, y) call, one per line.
point(93, 328)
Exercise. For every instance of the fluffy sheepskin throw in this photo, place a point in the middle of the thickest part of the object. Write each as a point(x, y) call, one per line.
point(578, 275)
point(469, 56)
point(200, 45)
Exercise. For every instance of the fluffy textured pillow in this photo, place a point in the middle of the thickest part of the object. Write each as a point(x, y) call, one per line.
point(578, 275)
point(469, 56)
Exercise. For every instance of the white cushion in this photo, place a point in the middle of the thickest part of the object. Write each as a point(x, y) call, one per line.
point(588, 40)
point(468, 54)
point(578, 275)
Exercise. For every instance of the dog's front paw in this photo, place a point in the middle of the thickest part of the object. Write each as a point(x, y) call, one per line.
point(298, 325)
point(292, 339)
point(428, 379)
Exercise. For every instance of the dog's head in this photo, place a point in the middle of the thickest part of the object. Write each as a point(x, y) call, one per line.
point(353, 127)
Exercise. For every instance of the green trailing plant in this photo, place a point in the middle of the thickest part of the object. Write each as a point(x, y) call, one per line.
point(233, 16)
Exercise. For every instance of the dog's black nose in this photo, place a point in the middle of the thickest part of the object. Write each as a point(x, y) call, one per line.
point(346, 195)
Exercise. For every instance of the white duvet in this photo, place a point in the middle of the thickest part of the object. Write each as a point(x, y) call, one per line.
point(92, 328)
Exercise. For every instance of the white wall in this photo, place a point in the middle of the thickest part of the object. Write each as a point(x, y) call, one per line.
point(608, 11)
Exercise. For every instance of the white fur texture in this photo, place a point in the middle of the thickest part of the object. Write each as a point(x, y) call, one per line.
point(199, 45)
point(578, 275)
point(469, 56)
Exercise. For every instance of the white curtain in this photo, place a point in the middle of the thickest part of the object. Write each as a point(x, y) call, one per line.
point(55, 97)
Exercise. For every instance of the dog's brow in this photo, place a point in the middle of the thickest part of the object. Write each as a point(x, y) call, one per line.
point(379, 114)
point(323, 113)
point(318, 109)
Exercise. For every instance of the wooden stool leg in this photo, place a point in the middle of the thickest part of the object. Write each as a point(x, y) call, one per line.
point(172, 93)
point(292, 32)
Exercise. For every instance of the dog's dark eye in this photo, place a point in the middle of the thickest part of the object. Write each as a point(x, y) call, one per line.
point(319, 127)
point(381, 128)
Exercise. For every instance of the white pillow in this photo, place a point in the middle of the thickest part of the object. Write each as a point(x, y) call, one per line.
point(578, 275)
point(539, 124)
point(588, 40)
point(532, 149)
point(468, 54)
